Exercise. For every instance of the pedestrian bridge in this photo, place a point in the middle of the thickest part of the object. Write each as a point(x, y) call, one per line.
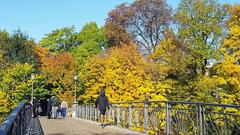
point(73, 126)
point(147, 117)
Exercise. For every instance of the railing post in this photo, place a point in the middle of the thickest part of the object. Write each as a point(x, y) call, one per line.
point(146, 117)
point(82, 112)
point(167, 118)
point(123, 118)
point(113, 115)
point(130, 115)
point(80, 109)
point(86, 112)
point(95, 114)
point(109, 115)
point(225, 120)
point(90, 112)
point(118, 115)
point(137, 118)
point(155, 122)
point(200, 117)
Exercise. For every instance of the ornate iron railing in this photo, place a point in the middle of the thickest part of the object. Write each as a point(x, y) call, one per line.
point(170, 117)
point(16, 123)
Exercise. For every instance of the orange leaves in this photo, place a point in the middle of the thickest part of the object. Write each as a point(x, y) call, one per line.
point(59, 72)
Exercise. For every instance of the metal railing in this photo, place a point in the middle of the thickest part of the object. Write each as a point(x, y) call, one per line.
point(16, 123)
point(170, 117)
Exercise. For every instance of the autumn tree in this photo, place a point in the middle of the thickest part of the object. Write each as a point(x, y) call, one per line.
point(125, 73)
point(229, 69)
point(201, 29)
point(115, 26)
point(143, 20)
point(59, 70)
point(4, 104)
point(16, 81)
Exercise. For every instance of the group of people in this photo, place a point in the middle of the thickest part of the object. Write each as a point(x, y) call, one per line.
point(54, 109)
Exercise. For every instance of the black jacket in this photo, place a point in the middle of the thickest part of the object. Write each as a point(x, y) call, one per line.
point(35, 103)
point(49, 107)
point(102, 102)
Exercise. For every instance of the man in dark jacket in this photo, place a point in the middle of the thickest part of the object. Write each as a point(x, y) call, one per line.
point(49, 108)
point(102, 103)
point(35, 106)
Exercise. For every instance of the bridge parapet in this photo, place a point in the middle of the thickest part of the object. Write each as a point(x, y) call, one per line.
point(20, 122)
point(169, 117)
point(16, 123)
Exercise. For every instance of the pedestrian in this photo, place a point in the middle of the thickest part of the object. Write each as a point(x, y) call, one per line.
point(64, 107)
point(49, 108)
point(102, 103)
point(54, 107)
point(59, 111)
point(35, 106)
point(39, 109)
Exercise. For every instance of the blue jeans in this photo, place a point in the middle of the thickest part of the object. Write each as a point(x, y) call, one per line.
point(64, 110)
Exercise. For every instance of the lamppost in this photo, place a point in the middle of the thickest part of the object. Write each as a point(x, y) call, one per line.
point(75, 79)
point(32, 78)
point(75, 103)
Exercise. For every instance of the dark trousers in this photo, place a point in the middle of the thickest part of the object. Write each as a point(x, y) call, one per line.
point(34, 112)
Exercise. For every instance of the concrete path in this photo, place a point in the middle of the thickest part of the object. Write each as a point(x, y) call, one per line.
point(70, 126)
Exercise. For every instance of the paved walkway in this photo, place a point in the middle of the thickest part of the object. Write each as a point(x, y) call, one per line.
point(70, 126)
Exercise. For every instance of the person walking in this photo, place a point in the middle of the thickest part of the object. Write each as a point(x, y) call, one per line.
point(49, 108)
point(39, 109)
point(102, 103)
point(54, 107)
point(64, 107)
point(35, 106)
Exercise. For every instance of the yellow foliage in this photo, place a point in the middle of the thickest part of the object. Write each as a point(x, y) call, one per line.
point(125, 73)
point(229, 68)
point(4, 105)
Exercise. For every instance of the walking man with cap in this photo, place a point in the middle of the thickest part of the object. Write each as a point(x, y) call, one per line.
point(102, 103)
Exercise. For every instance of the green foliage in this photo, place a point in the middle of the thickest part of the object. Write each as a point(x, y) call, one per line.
point(17, 47)
point(85, 51)
point(60, 40)
point(91, 39)
point(90, 31)
point(16, 82)
point(200, 29)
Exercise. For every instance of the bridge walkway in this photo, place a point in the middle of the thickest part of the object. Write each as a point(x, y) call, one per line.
point(76, 126)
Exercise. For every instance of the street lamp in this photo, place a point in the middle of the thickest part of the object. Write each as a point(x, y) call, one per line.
point(32, 78)
point(75, 79)
point(75, 103)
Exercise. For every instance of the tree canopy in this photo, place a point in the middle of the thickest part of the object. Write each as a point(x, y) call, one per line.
point(146, 50)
